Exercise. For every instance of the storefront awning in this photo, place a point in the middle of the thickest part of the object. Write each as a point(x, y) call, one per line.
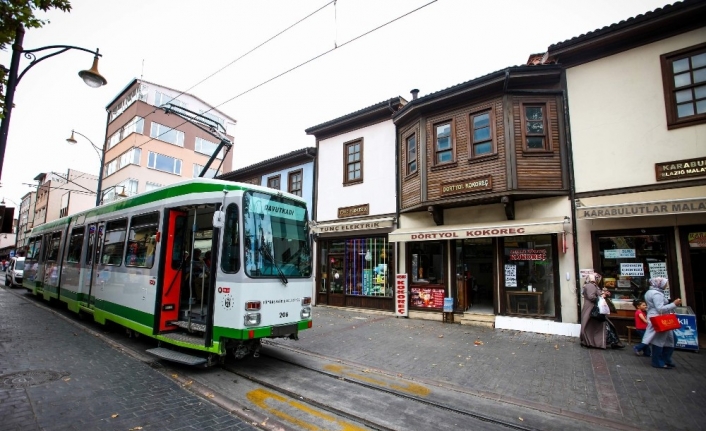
point(353, 225)
point(676, 206)
point(483, 230)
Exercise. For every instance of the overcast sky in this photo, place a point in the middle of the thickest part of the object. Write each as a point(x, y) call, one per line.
point(178, 43)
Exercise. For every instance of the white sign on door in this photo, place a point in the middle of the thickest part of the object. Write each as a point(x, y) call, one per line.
point(619, 253)
point(510, 275)
point(658, 269)
point(632, 269)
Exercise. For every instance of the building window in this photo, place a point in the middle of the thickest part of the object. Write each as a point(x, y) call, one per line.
point(444, 148)
point(130, 157)
point(684, 77)
point(353, 170)
point(151, 186)
point(162, 99)
point(295, 183)
point(210, 173)
point(411, 155)
point(136, 125)
point(273, 182)
point(167, 134)
point(207, 147)
point(482, 134)
point(164, 163)
point(534, 127)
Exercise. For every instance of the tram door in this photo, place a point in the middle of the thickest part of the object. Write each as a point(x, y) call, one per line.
point(95, 240)
point(173, 274)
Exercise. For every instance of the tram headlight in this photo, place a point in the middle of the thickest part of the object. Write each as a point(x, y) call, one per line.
point(306, 313)
point(252, 319)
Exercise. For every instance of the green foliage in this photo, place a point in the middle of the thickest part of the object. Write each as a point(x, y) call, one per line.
point(15, 13)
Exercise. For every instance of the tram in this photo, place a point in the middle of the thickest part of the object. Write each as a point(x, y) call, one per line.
point(207, 267)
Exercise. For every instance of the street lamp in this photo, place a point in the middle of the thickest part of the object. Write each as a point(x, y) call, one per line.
point(122, 193)
point(91, 77)
point(101, 156)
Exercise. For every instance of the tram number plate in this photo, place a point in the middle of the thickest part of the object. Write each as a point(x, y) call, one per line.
point(278, 331)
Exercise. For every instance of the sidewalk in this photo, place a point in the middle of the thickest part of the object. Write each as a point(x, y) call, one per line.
point(56, 376)
point(552, 373)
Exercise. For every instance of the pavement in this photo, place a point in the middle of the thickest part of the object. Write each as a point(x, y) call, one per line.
point(57, 375)
point(607, 388)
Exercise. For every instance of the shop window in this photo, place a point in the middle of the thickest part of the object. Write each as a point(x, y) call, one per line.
point(535, 135)
point(684, 78)
point(411, 155)
point(482, 143)
point(353, 165)
point(627, 261)
point(428, 277)
point(529, 275)
point(142, 241)
point(366, 267)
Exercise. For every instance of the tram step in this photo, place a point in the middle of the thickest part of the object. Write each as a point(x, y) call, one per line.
point(185, 324)
point(171, 355)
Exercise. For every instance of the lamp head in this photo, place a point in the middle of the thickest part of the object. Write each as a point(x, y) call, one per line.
point(122, 194)
point(92, 77)
point(71, 140)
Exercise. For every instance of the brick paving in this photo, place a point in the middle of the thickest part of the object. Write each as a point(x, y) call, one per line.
point(98, 387)
point(520, 366)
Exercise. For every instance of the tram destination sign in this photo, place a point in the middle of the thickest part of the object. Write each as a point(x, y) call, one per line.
point(679, 169)
point(468, 185)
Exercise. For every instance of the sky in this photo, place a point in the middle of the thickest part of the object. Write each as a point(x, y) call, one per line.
point(429, 45)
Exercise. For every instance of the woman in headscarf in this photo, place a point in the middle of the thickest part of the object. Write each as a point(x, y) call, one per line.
point(662, 343)
point(596, 332)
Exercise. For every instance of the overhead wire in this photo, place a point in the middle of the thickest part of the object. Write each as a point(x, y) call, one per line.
point(303, 64)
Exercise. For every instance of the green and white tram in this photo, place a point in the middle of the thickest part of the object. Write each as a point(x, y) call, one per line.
point(143, 263)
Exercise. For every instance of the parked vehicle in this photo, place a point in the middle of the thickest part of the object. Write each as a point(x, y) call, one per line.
point(14, 272)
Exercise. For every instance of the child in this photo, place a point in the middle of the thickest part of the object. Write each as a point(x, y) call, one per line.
point(640, 327)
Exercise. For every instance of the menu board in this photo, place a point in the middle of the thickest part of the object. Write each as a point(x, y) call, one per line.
point(423, 297)
point(658, 269)
point(632, 269)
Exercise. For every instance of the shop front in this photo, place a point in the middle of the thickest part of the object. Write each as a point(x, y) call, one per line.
point(355, 264)
point(508, 268)
point(634, 237)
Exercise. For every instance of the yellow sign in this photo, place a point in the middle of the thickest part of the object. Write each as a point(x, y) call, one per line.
point(468, 185)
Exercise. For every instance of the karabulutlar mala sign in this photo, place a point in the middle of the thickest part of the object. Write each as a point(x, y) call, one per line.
point(528, 254)
point(467, 185)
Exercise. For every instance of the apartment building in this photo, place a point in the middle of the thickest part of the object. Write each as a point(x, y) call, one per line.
point(25, 218)
point(146, 147)
point(59, 195)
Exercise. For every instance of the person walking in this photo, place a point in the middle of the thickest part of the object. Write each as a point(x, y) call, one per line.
point(599, 331)
point(662, 343)
point(640, 327)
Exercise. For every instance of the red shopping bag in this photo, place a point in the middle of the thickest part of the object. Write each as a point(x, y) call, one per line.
point(665, 322)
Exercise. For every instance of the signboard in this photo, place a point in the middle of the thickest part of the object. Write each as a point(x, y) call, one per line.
point(482, 230)
point(658, 269)
point(586, 272)
point(427, 297)
point(697, 239)
point(687, 336)
point(354, 211)
point(510, 275)
point(528, 254)
point(619, 253)
point(632, 269)
point(681, 169)
point(401, 309)
point(680, 206)
point(448, 305)
point(353, 226)
point(468, 185)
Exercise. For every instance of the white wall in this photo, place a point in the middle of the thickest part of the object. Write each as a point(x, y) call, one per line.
point(618, 117)
point(378, 186)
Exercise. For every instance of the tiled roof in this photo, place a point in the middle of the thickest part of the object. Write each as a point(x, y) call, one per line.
point(372, 108)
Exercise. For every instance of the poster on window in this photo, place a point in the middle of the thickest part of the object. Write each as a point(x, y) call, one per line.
point(510, 275)
point(658, 269)
point(632, 269)
point(423, 297)
point(619, 253)
point(697, 240)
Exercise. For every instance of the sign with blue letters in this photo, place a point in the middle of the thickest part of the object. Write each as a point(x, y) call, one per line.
point(687, 337)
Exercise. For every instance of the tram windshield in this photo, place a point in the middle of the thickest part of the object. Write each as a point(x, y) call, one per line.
point(275, 237)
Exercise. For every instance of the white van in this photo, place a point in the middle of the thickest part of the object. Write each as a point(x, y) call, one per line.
point(15, 271)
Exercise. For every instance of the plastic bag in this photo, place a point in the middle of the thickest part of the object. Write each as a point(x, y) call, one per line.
point(603, 306)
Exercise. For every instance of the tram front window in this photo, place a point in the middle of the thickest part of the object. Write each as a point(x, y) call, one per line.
point(275, 237)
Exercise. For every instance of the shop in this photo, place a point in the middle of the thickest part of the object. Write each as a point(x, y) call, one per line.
point(355, 263)
point(633, 237)
point(509, 268)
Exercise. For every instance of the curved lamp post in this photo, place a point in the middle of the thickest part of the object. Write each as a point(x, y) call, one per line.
point(101, 157)
point(91, 77)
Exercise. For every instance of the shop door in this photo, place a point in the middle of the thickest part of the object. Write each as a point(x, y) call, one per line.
point(474, 279)
point(336, 278)
point(694, 251)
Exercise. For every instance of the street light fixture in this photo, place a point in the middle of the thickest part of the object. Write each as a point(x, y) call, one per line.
point(101, 156)
point(91, 77)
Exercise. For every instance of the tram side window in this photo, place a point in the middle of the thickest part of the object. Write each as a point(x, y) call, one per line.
point(114, 242)
point(141, 242)
point(75, 244)
point(231, 241)
point(34, 248)
point(53, 249)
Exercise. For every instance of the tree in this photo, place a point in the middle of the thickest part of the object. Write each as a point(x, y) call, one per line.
point(15, 13)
